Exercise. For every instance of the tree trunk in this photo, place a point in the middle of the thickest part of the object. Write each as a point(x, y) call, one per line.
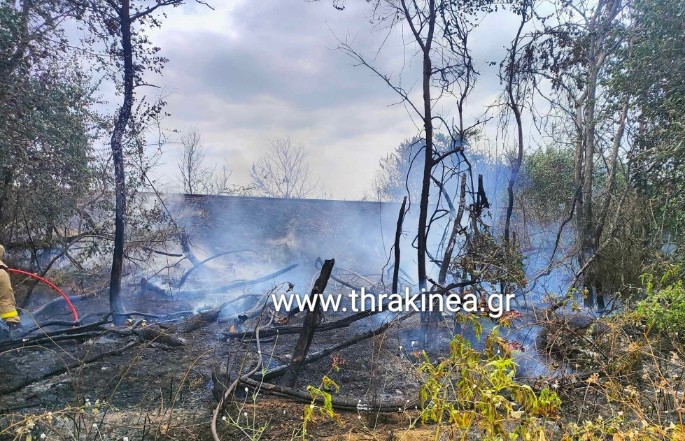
point(516, 108)
point(115, 302)
point(456, 228)
point(427, 169)
point(398, 235)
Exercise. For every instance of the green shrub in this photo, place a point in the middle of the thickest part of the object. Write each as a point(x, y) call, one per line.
point(472, 391)
point(664, 304)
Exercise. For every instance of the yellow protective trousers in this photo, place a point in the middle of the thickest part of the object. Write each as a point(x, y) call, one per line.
point(8, 305)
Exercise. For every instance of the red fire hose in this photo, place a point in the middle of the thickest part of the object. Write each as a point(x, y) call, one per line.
point(51, 285)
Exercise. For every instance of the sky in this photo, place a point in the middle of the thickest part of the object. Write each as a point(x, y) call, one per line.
point(250, 72)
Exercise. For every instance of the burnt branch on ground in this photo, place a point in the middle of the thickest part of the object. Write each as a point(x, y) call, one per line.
point(238, 283)
point(199, 264)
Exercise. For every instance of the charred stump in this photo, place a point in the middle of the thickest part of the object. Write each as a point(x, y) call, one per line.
point(398, 236)
point(311, 321)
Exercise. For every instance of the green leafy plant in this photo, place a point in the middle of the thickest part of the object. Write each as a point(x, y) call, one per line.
point(322, 398)
point(474, 390)
point(664, 304)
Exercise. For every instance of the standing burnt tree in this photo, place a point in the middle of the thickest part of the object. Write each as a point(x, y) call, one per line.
point(439, 30)
point(514, 74)
point(121, 25)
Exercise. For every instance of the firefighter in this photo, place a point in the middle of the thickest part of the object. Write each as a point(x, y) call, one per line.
point(8, 305)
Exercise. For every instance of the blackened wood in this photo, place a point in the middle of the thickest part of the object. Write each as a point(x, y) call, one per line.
point(311, 321)
point(456, 229)
point(398, 235)
point(115, 302)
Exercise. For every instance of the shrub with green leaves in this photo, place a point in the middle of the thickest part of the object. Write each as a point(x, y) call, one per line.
point(547, 185)
point(472, 391)
point(664, 304)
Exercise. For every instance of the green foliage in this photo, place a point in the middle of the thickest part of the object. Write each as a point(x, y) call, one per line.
point(621, 263)
point(46, 133)
point(54, 186)
point(322, 401)
point(477, 391)
point(548, 187)
point(493, 262)
point(664, 304)
point(651, 70)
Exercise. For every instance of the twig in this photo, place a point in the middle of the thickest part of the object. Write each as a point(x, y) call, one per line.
point(231, 388)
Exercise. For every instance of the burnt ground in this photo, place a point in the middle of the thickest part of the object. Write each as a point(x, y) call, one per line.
point(109, 382)
point(153, 389)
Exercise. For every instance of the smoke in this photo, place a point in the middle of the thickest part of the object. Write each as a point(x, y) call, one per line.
point(270, 234)
point(254, 237)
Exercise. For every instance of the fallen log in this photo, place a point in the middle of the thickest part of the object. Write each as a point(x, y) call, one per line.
point(161, 318)
point(68, 324)
point(58, 300)
point(156, 334)
point(199, 320)
point(42, 341)
point(199, 264)
point(338, 403)
point(36, 339)
point(238, 284)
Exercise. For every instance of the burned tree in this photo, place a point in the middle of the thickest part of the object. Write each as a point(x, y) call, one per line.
point(440, 31)
point(112, 22)
point(311, 321)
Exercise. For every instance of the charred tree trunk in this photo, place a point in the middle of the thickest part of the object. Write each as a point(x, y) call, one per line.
point(426, 317)
point(516, 109)
point(187, 252)
point(456, 228)
point(398, 235)
point(120, 125)
point(311, 321)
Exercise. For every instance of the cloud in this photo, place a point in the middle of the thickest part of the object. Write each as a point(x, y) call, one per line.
point(252, 71)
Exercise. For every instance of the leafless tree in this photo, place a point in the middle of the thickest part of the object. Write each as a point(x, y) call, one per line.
point(284, 172)
point(190, 164)
point(196, 177)
point(438, 30)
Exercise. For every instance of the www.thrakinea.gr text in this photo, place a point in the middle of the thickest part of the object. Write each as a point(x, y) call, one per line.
point(495, 305)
